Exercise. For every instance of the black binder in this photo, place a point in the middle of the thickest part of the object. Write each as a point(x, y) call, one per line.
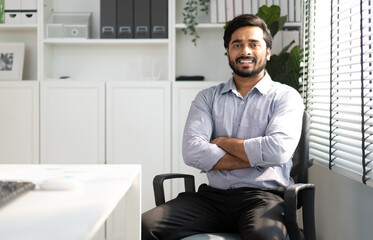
point(142, 18)
point(108, 19)
point(159, 18)
point(125, 18)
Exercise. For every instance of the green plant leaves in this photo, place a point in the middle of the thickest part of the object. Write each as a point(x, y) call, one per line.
point(271, 15)
point(190, 13)
point(285, 67)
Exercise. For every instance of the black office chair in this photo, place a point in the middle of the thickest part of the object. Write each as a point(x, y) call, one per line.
point(299, 195)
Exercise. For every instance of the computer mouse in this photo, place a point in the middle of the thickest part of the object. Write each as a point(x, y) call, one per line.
point(60, 183)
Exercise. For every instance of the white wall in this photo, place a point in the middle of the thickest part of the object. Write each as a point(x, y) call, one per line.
point(343, 206)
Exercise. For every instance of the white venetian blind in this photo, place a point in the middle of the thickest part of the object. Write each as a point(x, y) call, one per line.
point(339, 90)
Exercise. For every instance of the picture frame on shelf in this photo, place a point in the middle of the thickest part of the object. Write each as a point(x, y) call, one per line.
point(11, 61)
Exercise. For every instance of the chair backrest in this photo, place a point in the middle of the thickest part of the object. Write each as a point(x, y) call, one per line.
point(301, 159)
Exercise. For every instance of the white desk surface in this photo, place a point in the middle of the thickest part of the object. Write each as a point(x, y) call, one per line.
point(72, 214)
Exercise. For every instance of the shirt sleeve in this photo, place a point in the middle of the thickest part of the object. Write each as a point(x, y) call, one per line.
point(281, 136)
point(197, 150)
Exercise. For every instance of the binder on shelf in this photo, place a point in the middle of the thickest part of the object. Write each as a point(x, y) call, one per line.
point(108, 19)
point(263, 2)
point(247, 6)
point(254, 7)
point(238, 5)
point(213, 11)
point(159, 18)
point(229, 9)
point(298, 10)
point(141, 18)
point(291, 12)
point(284, 9)
point(125, 19)
point(221, 11)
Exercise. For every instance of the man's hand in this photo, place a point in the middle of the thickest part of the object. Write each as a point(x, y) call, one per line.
point(235, 158)
point(233, 146)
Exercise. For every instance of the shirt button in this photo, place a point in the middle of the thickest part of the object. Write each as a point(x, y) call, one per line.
point(242, 102)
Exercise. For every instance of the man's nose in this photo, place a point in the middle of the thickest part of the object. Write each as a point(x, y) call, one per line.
point(247, 50)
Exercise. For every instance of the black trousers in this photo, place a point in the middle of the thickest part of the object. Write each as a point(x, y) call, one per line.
point(255, 214)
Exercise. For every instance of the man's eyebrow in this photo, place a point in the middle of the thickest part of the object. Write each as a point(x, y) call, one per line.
point(237, 41)
point(240, 41)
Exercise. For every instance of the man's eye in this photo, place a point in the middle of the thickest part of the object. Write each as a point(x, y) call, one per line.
point(236, 45)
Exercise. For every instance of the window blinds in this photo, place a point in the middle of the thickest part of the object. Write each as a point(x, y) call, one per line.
point(339, 90)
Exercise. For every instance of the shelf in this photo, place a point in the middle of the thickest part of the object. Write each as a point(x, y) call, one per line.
point(17, 27)
point(221, 25)
point(74, 41)
point(202, 25)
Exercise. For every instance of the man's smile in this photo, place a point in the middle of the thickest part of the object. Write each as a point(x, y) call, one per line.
point(246, 61)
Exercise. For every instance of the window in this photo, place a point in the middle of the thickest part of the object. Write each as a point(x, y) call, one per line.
point(339, 78)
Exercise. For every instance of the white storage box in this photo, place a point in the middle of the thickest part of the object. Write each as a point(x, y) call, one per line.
point(69, 25)
point(29, 17)
point(13, 17)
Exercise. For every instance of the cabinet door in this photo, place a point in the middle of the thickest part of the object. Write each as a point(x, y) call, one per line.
point(72, 122)
point(138, 129)
point(183, 95)
point(138, 132)
point(19, 122)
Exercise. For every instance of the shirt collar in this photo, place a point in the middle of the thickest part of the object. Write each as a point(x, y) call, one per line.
point(263, 86)
point(229, 86)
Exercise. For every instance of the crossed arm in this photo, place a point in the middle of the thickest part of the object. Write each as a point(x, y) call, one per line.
point(235, 157)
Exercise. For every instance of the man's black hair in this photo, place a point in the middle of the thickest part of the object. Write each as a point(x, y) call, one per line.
point(246, 20)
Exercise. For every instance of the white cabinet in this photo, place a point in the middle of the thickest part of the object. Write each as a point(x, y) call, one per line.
point(19, 122)
point(138, 129)
point(72, 122)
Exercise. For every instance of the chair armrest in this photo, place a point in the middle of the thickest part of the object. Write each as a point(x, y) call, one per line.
point(305, 192)
point(159, 189)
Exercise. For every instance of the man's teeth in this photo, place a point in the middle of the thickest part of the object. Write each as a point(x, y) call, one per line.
point(246, 61)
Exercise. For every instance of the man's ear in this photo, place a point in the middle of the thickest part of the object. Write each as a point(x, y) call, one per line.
point(268, 54)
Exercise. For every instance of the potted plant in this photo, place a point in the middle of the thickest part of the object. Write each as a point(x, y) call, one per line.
point(284, 67)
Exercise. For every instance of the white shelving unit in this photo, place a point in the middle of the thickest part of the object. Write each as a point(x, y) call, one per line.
point(117, 89)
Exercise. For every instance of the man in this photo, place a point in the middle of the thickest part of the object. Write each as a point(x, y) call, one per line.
point(242, 133)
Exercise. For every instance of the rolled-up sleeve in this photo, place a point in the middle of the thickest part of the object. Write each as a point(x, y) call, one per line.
point(281, 136)
point(197, 150)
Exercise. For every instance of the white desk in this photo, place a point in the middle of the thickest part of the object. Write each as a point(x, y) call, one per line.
point(74, 214)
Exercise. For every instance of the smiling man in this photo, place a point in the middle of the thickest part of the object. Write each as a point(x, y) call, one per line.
point(242, 134)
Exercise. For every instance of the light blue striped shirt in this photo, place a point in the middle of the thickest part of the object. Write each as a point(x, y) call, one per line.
point(269, 119)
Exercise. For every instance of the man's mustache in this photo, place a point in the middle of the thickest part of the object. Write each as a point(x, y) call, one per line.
point(246, 58)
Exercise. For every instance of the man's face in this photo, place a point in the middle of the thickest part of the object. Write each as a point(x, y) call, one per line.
point(247, 51)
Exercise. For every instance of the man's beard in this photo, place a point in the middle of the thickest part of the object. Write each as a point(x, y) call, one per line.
point(251, 73)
